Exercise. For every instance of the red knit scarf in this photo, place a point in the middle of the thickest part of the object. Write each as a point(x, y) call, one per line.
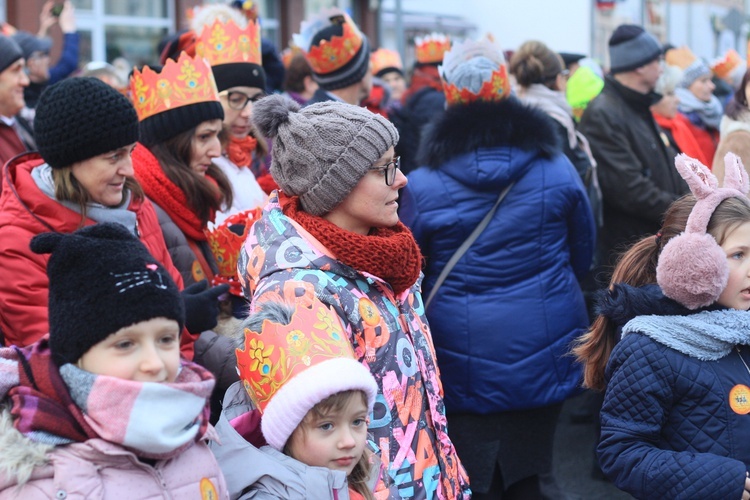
point(240, 151)
point(683, 136)
point(389, 253)
point(166, 194)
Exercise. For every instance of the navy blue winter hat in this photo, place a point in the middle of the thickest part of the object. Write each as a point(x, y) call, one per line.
point(102, 279)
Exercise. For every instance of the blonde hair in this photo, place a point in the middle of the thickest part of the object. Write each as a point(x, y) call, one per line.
point(360, 475)
point(67, 188)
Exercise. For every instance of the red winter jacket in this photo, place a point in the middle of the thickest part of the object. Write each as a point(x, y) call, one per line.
point(26, 211)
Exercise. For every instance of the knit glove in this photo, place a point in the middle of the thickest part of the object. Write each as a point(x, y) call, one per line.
point(202, 306)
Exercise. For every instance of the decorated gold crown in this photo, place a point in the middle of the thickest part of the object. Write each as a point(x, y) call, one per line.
point(431, 48)
point(187, 81)
point(224, 43)
point(681, 57)
point(226, 242)
point(723, 66)
point(496, 87)
point(272, 357)
point(333, 54)
point(385, 58)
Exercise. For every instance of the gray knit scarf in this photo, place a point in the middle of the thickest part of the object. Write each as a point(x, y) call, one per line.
point(709, 112)
point(707, 335)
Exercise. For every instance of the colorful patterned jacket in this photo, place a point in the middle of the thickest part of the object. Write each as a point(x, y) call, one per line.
point(390, 335)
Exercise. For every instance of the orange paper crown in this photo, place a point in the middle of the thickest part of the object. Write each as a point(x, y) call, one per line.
point(385, 58)
point(226, 242)
point(289, 53)
point(276, 354)
point(682, 57)
point(722, 67)
point(496, 88)
point(431, 48)
point(187, 81)
point(330, 55)
point(224, 43)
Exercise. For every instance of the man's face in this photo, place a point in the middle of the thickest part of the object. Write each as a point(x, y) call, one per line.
point(651, 72)
point(12, 82)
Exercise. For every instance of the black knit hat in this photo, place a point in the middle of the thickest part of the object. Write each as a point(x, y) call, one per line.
point(167, 124)
point(349, 73)
point(240, 74)
point(79, 118)
point(101, 279)
point(631, 47)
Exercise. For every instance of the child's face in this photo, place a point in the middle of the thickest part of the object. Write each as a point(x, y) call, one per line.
point(737, 248)
point(336, 441)
point(148, 351)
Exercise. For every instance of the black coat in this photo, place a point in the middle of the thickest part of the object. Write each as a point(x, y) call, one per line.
point(636, 168)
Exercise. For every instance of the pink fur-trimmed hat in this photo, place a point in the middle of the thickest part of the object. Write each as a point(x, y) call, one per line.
point(692, 267)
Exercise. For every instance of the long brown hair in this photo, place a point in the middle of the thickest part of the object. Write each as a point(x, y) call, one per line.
point(202, 196)
point(360, 475)
point(637, 267)
point(67, 188)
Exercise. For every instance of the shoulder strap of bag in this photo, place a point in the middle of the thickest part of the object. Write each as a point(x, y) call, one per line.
point(465, 245)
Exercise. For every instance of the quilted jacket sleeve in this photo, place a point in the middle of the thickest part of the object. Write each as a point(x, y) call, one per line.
point(643, 388)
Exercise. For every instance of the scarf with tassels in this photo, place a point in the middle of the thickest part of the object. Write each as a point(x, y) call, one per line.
point(67, 405)
point(167, 195)
point(389, 253)
point(240, 151)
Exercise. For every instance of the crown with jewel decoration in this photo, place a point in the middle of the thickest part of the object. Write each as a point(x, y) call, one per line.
point(495, 87)
point(333, 54)
point(272, 357)
point(187, 81)
point(430, 49)
point(723, 66)
point(224, 43)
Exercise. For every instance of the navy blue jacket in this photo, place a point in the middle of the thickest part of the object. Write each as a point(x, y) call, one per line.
point(504, 319)
point(667, 428)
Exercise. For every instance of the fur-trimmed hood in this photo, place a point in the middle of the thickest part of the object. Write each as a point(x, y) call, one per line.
point(508, 123)
point(20, 456)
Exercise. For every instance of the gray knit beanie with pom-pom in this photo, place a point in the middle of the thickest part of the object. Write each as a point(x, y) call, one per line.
point(321, 152)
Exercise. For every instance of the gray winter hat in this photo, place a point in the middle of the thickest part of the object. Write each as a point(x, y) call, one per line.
point(631, 47)
point(321, 152)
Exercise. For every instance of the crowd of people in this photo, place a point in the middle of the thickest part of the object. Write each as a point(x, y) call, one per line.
point(320, 274)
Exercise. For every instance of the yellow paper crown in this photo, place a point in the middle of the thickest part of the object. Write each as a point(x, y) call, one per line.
point(333, 54)
point(722, 67)
point(681, 57)
point(224, 43)
point(278, 353)
point(431, 48)
point(188, 80)
point(385, 58)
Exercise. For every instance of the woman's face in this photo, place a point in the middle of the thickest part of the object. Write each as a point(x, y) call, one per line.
point(238, 109)
point(702, 88)
point(205, 146)
point(371, 203)
point(103, 177)
point(667, 106)
point(148, 351)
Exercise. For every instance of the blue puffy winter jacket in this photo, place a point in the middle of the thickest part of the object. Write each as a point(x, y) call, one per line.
point(504, 319)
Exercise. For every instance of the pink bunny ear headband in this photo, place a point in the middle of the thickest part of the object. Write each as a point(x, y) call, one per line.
point(692, 267)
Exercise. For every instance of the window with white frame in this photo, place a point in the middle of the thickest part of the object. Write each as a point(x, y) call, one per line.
point(130, 29)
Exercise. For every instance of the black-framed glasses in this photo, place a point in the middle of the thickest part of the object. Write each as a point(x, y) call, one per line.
point(238, 100)
point(389, 170)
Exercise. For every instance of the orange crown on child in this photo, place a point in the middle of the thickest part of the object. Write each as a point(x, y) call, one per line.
point(723, 66)
point(385, 58)
point(333, 54)
point(430, 49)
point(224, 43)
point(187, 81)
point(496, 88)
point(278, 353)
point(226, 242)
